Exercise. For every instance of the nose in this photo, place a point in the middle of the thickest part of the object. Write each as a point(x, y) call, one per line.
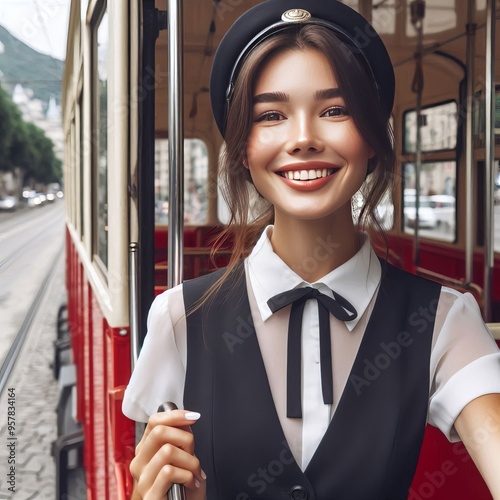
point(304, 136)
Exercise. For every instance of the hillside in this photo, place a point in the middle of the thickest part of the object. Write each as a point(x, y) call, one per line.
point(21, 64)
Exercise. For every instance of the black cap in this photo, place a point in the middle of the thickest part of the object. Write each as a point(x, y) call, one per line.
point(272, 16)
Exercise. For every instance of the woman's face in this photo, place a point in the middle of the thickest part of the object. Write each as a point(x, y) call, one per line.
point(304, 153)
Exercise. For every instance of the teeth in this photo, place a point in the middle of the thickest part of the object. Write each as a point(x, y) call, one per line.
point(307, 175)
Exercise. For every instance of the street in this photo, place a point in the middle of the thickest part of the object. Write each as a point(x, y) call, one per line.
point(29, 242)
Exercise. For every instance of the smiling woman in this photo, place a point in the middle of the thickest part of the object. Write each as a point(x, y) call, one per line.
point(308, 358)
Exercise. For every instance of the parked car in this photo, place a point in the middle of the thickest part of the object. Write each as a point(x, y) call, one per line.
point(8, 203)
point(426, 216)
point(34, 200)
point(445, 210)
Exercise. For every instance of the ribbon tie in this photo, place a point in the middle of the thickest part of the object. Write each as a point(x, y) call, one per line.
point(341, 308)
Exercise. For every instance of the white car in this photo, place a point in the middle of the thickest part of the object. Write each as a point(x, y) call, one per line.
point(426, 215)
point(8, 203)
point(444, 209)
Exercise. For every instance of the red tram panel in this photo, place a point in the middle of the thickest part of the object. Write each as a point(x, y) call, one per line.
point(102, 358)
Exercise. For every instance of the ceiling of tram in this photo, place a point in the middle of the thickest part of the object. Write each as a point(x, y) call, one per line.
point(205, 22)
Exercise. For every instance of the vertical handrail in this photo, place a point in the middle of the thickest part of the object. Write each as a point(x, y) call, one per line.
point(134, 303)
point(366, 9)
point(176, 161)
point(417, 19)
point(489, 145)
point(177, 491)
point(469, 146)
point(143, 183)
point(175, 143)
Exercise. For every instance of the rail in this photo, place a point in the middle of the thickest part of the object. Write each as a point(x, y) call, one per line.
point(15, 348)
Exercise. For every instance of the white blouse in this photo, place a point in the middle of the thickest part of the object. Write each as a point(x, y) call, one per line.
point(464, 364)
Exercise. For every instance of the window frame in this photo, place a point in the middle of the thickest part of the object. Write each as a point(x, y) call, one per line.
point(99, 11)
point(405, 152)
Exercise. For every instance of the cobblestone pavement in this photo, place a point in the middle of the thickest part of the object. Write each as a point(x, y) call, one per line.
point(35, 398)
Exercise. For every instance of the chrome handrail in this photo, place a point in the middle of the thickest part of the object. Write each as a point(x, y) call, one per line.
point(177, 491)
point(175, 144)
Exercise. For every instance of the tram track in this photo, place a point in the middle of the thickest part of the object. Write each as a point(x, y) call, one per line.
point(7, 261)
point(15, 349)
point(13, 255)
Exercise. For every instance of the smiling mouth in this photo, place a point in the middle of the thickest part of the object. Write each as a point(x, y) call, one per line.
point(307, 175)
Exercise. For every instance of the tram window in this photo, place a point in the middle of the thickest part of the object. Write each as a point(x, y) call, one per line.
point(438, 131)
point(81, 163)
point(441, 15)
point(383, 16)
point(479, 118)
point(195, 181)
point(480, 210)
point(101, 128)
point(437, 203)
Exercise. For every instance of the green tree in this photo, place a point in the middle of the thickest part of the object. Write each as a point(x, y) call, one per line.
point(25, 146)
point(10, 121)
point(43, 166)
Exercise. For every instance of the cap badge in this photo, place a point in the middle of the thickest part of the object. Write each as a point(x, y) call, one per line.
point(295, 16)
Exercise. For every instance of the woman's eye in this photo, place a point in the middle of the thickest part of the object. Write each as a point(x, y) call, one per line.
point(335, 111)
point(270, 116)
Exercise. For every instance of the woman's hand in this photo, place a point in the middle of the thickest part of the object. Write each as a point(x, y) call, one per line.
point(165, 456)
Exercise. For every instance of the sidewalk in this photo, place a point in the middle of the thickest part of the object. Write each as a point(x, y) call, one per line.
point(25, 444)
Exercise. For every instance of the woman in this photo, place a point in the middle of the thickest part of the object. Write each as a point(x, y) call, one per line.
point(313, 364)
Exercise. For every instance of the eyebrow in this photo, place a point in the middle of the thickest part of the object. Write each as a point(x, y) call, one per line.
point(267, 97)
point(324, 94)
point(319, 95)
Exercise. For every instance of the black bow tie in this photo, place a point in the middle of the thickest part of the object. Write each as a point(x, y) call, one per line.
point(340, 308)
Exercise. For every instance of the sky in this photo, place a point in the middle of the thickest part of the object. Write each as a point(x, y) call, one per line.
point(41, 24)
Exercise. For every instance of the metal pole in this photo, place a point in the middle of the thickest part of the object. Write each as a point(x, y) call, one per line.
point(489, 161)
point(134, 303)
point(177, 491)
point(417, 18)
point(176, 161)
point(365, 9)
point(469, 146)
point(175, 144)
point(145, 176)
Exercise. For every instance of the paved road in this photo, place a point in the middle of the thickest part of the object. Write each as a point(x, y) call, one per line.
point(29, 241)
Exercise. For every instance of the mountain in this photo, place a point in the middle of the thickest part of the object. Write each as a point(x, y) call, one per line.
point(19, 63)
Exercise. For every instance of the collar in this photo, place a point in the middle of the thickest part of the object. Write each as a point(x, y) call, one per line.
point(357, 279)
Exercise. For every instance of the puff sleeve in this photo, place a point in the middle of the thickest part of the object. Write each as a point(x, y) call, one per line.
point(465, 360)
point(159, 374)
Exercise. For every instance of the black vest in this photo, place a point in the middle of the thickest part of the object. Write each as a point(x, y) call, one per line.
point(371, 448)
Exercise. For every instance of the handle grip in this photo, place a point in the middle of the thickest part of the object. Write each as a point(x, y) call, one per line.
point(177, 491)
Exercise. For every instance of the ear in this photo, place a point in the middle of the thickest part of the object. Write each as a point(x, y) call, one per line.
point(245, 162)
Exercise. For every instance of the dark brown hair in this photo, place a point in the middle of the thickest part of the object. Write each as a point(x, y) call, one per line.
point(362, 101)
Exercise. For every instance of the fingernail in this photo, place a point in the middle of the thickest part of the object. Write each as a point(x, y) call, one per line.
point(203, 475)
point(192, 415)
point(197, 483)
